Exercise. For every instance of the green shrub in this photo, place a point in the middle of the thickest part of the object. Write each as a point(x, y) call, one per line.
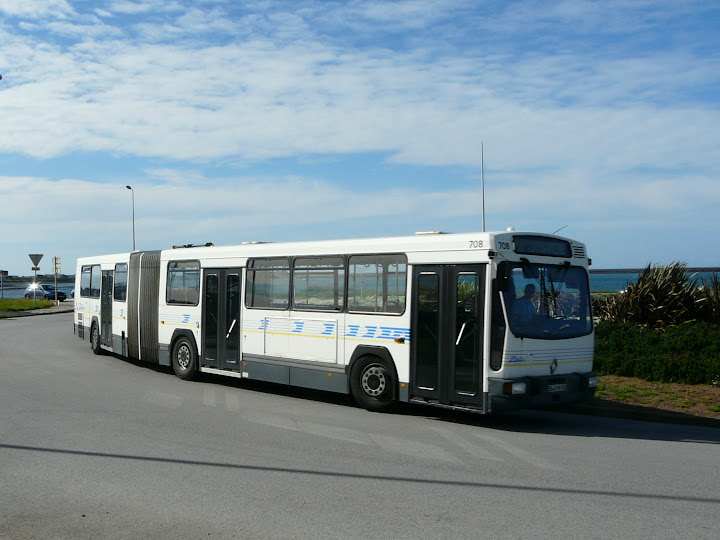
point(710, 298)
point(687, 353)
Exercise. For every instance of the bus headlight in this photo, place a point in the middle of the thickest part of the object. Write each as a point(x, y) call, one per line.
point(592, 381)
point(514, 388)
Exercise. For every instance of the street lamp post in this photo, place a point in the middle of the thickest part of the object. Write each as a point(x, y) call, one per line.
point(133, 210)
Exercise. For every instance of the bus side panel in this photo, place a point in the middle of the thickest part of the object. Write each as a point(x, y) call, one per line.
point(253, 329)
point(119, 327)
point(303, 336)
point(87, 309)
point(81, 308)
point(389, 331)
point(172, 318)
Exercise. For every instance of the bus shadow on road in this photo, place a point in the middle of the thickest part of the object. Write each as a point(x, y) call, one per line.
point(570, 422)
point(577, 421)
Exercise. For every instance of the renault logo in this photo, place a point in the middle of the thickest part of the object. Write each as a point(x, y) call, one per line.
point(553, 366)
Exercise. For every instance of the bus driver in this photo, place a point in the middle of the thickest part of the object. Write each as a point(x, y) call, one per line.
point(523, 308)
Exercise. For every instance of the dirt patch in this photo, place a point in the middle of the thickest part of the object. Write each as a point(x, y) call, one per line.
point(697, 400)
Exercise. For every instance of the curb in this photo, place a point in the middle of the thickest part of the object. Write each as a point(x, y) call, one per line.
point(62, 308)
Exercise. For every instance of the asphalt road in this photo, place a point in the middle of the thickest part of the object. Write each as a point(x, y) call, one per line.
point(100, 447)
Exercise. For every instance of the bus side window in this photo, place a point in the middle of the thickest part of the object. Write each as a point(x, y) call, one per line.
point(85, 281)
point(267, 285)
point(91, 280)
point(376, 283)
point(497, 329)
point(120, 292)
point(319, 283)
point(183, 283)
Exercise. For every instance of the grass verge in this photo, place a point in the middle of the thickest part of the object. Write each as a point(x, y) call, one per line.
point(694, 399)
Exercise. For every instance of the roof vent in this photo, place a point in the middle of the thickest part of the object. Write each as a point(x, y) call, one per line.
point(209, 244)
point(253, 243)
point(425, 233)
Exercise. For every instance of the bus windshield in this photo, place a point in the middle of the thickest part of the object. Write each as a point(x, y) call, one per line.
point(547, 301)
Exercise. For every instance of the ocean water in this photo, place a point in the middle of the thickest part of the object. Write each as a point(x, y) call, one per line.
point(611, 282)
point(617, 281)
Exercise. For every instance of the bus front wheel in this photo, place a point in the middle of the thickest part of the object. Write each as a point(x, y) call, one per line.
point(184, 359)
point(372, 384)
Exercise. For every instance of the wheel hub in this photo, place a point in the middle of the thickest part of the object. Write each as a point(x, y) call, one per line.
point(374, 381)
point(183, 357)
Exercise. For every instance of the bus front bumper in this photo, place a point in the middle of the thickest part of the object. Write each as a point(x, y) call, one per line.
point(532, 392)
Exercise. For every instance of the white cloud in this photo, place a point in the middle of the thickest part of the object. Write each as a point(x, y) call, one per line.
point(260, 100)
point(133, 8)
point(35, 8)
point(87, 30)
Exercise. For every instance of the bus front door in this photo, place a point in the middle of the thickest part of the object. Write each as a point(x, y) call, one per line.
point(106, 299)
point(221, 319)
point(447, 330)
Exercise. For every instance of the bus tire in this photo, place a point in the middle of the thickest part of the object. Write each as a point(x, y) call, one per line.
point(184, 358)
point(372, 383)
point(95, 338)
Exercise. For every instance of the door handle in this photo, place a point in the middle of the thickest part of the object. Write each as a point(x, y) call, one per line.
point(462, 329)
point(230, 330)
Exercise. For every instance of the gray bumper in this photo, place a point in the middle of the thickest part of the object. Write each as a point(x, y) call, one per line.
point(541, 391)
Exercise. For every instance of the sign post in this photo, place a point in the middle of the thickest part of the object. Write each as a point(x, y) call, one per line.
point(35, 258)
point(56, 272)
point(3, 273)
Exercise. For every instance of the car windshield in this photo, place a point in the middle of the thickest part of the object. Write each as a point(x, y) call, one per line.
point(547, 301)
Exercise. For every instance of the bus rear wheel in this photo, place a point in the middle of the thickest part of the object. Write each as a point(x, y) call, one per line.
point(95, 338)
point(184, 359)
point(372, 384)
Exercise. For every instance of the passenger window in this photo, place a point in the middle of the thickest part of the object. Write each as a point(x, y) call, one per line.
point(90, 281)
point(268, 284)
point(120, 292)
point(183, 283)
point(85, 281)
point(319, 283)
point(376, 283)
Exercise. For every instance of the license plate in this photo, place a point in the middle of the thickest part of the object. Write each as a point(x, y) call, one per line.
point(557, 387)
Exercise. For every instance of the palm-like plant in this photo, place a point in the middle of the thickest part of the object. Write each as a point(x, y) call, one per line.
point(662, 296)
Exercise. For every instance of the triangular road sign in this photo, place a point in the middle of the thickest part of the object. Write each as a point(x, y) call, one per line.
point(35, 258)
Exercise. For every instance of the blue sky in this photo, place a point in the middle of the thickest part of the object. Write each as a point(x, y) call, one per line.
point(300, 120)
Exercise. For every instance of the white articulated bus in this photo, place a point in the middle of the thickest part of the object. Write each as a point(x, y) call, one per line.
point(480, 321)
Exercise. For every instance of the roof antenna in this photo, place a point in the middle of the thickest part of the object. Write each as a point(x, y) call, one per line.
point(482, 169)
point(560, 229)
